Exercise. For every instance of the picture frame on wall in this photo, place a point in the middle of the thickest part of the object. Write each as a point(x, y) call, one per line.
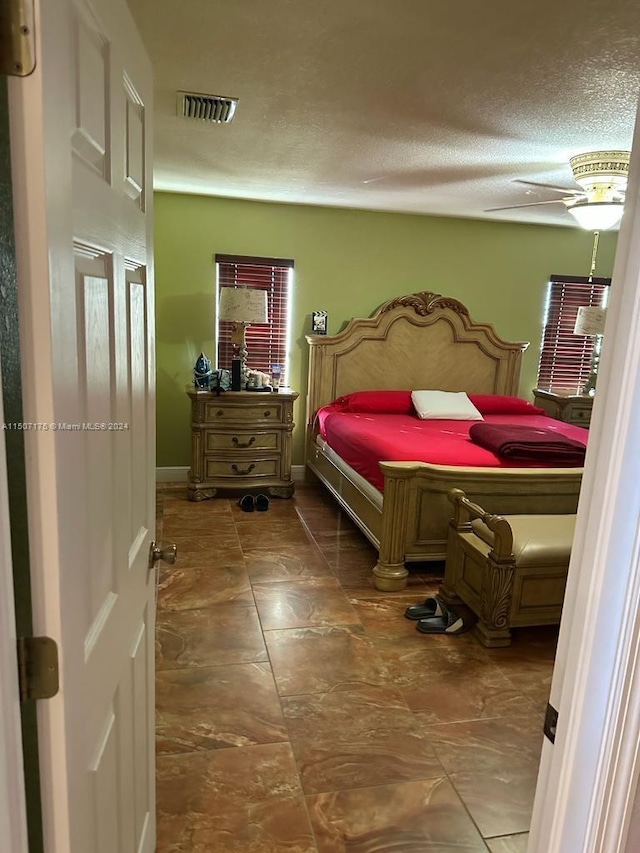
point(319, 322)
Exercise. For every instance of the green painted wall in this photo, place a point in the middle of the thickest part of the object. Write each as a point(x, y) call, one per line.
point(347, 262)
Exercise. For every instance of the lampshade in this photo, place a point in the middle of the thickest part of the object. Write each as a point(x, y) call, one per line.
point(597, 215)
point(243, 305)
point(590, 320)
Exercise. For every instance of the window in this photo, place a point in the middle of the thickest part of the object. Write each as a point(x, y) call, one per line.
point(565, 359)
point(267, 344)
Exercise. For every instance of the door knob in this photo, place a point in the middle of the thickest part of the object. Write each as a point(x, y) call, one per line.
point(167, 554)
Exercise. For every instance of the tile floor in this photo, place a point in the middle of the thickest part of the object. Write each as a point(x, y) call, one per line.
point(298, 711)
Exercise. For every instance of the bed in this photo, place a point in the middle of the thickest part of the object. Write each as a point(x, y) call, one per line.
point(419, 341)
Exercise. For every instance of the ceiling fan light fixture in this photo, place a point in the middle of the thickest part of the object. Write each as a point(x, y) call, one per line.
point(602, 174)
point(598, 168)
point(597, 215)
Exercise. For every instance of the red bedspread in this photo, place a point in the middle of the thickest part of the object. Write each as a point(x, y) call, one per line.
point(363, 440)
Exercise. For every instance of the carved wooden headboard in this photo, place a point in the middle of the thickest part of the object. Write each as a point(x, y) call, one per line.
point(422, 340)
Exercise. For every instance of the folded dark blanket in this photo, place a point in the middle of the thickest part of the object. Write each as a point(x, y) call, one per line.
point(528, 444)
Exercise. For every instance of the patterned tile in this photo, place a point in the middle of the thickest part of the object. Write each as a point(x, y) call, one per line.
point(180, 507)
point(278, 511)
point(493, 765)
point(233, 801)
point(336, 542)
point(359, 558)
point(325, 520)
point(509, 843)
point(216, 707)
point(383, 616)
point(195, 588)
point(196, 522)
point(303, 603)
point(221, 635)
point(197, 550)
point(528, 662)
point(271, 535)
point(449, 685)
point(357, 739)
point(282, 671)
point(320, 660)
point(413, 817)
point(283, 564)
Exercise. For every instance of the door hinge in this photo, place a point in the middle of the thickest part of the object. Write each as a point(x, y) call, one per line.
point(17, 38)
point(550, 723)
point(37, 668)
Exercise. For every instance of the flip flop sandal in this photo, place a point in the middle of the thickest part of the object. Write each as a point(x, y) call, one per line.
point(262, 503)
point(247, 503)
point(450, 623)
point(432, 607)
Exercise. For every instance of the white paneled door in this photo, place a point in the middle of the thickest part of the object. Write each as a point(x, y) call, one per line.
point(80, 141)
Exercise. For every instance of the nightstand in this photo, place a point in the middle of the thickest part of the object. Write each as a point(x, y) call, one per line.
point(241, 443)
point(571, 408)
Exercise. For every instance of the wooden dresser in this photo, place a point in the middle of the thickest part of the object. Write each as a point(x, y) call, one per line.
point(571, 408)
point(241, 443)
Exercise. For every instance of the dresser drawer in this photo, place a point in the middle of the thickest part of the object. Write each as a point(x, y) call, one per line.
point(230, 413)
point(216, 441)
point(227, 469)
point(579, 417)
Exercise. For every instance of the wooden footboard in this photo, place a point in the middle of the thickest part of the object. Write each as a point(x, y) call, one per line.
point(410, 522)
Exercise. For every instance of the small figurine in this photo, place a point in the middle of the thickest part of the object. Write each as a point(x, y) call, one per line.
point(202, 373)
point(257, 381)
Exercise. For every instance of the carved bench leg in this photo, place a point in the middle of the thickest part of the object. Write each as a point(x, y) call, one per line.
point(495, 604)
point(452, 568)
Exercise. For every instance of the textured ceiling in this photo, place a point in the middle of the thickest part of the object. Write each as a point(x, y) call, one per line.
point(417, 106)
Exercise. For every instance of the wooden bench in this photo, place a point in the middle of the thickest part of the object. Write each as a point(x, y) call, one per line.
point(510, 570)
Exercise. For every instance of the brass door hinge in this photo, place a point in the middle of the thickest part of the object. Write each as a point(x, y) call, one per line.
point(37, 668)
point(17, 38)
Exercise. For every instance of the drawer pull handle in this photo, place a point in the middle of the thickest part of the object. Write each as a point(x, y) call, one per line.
point(220, 413)
point(243, 443)
point(237, 470)
point(267, 414)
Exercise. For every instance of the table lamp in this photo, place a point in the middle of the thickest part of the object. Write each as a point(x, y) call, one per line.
point(243, 306)
point(590, 322)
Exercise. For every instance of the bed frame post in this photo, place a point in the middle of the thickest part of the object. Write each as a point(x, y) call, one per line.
point(390, 574)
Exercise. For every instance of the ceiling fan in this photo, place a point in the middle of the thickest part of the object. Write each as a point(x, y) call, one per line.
point(599, 203)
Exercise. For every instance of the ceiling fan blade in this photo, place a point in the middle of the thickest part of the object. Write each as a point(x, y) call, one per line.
point(566, 190)
point(531, 204)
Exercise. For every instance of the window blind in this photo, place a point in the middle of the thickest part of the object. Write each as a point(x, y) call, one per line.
point(565, 358)
point(266, 343)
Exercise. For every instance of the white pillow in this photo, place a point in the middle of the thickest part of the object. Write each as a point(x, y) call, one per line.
point(445, 405)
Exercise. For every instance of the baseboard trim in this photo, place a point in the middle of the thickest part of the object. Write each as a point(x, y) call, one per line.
point(172, 475)
point(298, 472)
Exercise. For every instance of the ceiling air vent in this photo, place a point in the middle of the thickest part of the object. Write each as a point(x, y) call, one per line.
point(206, 107)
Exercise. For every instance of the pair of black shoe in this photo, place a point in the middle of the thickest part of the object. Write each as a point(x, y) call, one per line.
point(248, 503)
point(434, 617)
